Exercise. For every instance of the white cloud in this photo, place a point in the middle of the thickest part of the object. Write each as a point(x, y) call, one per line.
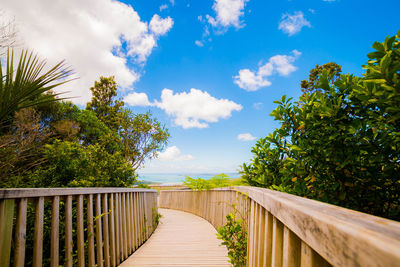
point(137, 99)
point(228, 13)
point(258, 105)
point(250, 81)
point(160, 26)
point(292, 24)
point(245, 137)
point(281, 64)
point(172, 2)
point(162, 7)
point(95, 37)
point(173, 153)
point(198, 43)
point(195, 109)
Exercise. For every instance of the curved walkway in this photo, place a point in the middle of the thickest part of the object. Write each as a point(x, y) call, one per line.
point(181, 239)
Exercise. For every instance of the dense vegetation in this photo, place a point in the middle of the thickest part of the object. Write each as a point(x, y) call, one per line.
point(219, 180)
point(45, 142)
point(340, 141)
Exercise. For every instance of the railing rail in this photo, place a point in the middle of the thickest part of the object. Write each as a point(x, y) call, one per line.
point(287, 230)
point(99, 226)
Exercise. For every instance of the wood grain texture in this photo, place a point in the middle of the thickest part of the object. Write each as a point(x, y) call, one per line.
point(99, 234)
point(181, 239)
point(54, 237)
point(38, 233)
point(340, 237)
point(106, 233)
point(90, 231)
point(6, 227)
point(68, 232)
point(20, 234)
point(80, 231)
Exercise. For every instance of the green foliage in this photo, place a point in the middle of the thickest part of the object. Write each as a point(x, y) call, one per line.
point(219, 180)
point(339, 143)
point(198, 184)
point(68, 164)
point(107, 109)
point(156, 217)
point(25, 86)
point(234, 237)
point(311, 84)
point(146, 186)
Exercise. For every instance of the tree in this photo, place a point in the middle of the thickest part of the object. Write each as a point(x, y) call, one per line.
point(107, 109)
point(8, 35)
point(140, 135)
point(339, 143)
point(311, 84)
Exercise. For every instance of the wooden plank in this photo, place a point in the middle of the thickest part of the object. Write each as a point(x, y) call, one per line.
point(309, 258)
point(136, 214)
point(6, 228)
point(54, 251)
point(99, 236)
point(106, 233)
point(124, 231)
point(268, 239)
point(128, 223)
point(68, 232)
point(80, 231)
point(38, 233)
point(277, 243)
point(181, 239)
point(250, 236)
point(291, 249)
point(90, 231)
point(117, 230)
point(262, 240)
point(112, 231)
point(20, 234)
point(51, 192)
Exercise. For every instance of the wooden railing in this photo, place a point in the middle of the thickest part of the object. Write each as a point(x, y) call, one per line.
point(286, 230)
point(98, 226)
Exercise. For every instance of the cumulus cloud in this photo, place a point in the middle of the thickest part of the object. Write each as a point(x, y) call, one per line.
point(196, 108)
point(160, 26)
point(173, 153)
point(292, 24)
point(280, 64)
point(95, 37)
point(198, 43)
point(245, 137)
point(193, 109)
point(258, 105)
point(162, 7)
point(137, 99)
point(228, 13)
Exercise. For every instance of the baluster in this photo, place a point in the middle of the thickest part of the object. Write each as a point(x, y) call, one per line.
point(99, 237)
point(117, 230)
point(38, 234)
point(268, 239)
point(291, 249)
point(80, 231)
point(90, 231)
point(124, 232)
point(112, 231)
point(20, 234)
point(6, 227)
point(261, 235)
point(277, 242)
point(54, 253)
point(106, 231)
point(68, 232)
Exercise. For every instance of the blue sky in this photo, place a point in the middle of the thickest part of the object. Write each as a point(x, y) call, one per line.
point(209, 70)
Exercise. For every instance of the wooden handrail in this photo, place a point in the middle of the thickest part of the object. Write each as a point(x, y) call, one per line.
point(106, 224)
point(287, 230)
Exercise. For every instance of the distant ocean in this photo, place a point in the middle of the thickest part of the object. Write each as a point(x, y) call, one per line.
point(178, 178)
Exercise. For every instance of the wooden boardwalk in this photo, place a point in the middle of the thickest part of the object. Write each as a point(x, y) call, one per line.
point(181, 239)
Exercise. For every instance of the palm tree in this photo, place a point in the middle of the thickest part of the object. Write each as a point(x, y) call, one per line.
point(27, 85)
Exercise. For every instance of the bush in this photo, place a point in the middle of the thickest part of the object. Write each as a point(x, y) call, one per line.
point(339, 143)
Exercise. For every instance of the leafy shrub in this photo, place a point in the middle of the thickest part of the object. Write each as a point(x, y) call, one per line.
point(234, 237)
point(340, 142)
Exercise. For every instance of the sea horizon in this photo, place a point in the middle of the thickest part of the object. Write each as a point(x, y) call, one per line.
point(178, 177)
